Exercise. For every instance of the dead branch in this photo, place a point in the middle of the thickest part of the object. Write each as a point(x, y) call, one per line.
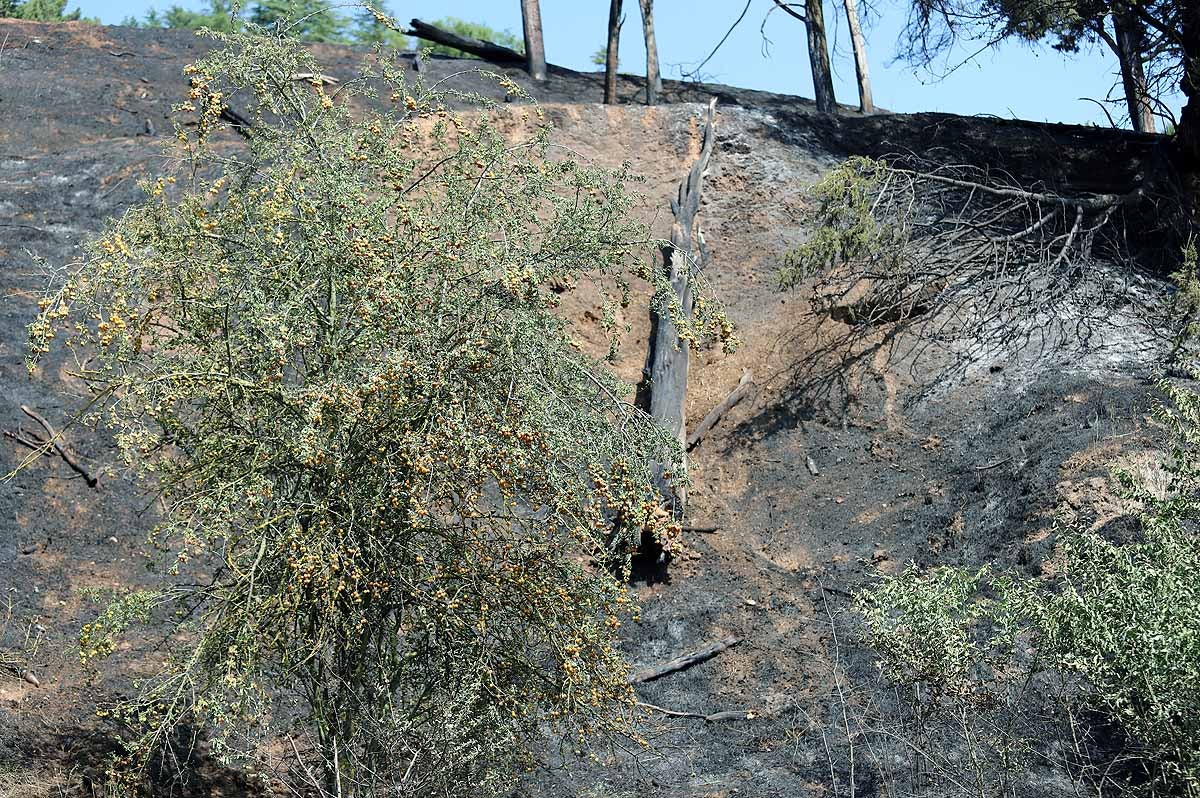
point(30, 440)
point(1088, 202)
point(488, 51)
point(712, 717)
point(684, 662)
point(240, 124)
point(969, 260)
point(744, 388)
point(54, 440)
point(328, 80)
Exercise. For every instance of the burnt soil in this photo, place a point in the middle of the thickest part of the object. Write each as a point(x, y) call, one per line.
point(907, 465)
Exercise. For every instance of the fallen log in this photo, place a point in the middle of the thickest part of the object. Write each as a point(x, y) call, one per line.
point(744, 388)
point(488, 51)
point(712, 717)
point(684, 662)
point(55, 440)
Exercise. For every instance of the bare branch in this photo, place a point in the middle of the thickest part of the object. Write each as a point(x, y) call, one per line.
point(55, 440)
point(685, 661)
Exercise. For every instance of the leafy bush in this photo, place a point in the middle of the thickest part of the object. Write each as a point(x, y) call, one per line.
point(1120, 622)
point(386, 467)
point(841, 215)
point(937, 629)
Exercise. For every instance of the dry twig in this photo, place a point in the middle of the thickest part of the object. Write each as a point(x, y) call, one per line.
point(684, 662)
point(744, 388)
point(712, 717)
point(54, 440)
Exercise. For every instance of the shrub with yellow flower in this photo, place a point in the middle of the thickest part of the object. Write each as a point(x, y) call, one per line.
point(333, 352)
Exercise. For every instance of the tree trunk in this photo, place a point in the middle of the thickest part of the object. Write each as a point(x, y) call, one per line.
point(611, 55)
point(1187, 134)
point(865, 103)
point(535, 51)
point(653, 78)
point(818, 56)
point(1130, 35)
point(666, 372)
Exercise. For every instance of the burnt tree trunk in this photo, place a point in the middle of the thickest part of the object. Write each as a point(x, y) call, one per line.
point(535, 50)
point(1187, 134)
point(866, 103)
point(1130, 36)
point(653, 78)
point(488, 51)
point(612, 54)
point(818, 56)
point(665, 375)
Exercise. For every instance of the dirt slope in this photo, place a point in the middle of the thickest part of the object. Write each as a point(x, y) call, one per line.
point(965, 473)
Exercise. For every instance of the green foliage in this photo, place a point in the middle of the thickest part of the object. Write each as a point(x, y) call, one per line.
point(952, 630)
point(307, 20)
point(840, 215)
point(221, 16)
point(39, 10)
point(1186, 301)
point(335, 354)
point(475, 30)
point(316, 21)
point(373, 26)
point(1128, 615)
point(98, 638)
point(1121, 619)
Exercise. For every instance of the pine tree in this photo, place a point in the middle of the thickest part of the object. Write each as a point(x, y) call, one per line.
point(307, 20)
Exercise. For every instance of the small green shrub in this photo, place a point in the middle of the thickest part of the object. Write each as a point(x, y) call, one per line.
point(840, 215)
point(940, 630)
point(1120, 621)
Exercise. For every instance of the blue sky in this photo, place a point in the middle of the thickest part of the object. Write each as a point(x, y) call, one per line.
point(1013, 80)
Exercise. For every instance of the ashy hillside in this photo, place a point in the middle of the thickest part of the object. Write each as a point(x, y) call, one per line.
point(853, 456)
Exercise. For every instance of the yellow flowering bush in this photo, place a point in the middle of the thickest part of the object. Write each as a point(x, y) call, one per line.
point(333, 352)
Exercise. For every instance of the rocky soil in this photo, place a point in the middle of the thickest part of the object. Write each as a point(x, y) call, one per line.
point(821, 482)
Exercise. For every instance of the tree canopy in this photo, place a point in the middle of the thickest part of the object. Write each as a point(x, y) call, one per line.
point(39, 10)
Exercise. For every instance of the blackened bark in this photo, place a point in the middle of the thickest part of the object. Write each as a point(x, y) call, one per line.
point(818, 56)
point(611, 55)
point(1130, 39)
point(535, 50)
point(488, 51)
